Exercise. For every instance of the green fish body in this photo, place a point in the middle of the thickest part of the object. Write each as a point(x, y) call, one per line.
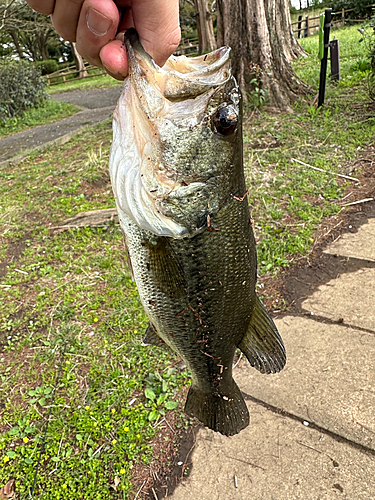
point(177, 174)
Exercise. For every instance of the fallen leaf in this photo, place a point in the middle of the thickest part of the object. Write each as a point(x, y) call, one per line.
point(8, 490)
point(116, 482)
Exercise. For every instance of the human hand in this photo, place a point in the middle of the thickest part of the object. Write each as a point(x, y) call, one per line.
point(94, 24)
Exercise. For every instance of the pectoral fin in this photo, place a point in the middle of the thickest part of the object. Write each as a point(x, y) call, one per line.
point(262, 344)
point(165, 269)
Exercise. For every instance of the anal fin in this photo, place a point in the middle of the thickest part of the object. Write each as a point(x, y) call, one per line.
point(262, 344)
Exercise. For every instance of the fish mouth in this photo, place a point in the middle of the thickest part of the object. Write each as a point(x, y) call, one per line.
point(181, 77)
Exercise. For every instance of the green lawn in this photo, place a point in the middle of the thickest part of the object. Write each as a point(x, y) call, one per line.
point(289, 199)
point(353, 53)
point(94, 82)
point(48, 112)
point(67, 296)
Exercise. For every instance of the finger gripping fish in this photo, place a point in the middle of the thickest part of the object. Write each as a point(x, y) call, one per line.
point(177, 174)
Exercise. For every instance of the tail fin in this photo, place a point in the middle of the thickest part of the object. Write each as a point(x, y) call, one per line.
point(262, 344)
point(224, 413)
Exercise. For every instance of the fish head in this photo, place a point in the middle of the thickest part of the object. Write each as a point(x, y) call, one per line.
point(177, 142)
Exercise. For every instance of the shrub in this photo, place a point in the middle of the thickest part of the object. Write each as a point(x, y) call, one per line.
point(21, 87)
point(361, 8)
point(48, 66)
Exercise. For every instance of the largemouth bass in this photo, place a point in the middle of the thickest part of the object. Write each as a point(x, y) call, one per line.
point(177, 175)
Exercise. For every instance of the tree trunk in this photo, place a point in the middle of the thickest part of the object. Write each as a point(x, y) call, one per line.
point(78, 61)
point(41, 41)
point(16, 42)
point(263, 47)
point(206, 36)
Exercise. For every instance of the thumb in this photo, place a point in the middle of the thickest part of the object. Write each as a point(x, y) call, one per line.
point(157, 24)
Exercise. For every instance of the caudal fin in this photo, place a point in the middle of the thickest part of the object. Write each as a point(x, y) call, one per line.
point(262, 344)
point(224, 413)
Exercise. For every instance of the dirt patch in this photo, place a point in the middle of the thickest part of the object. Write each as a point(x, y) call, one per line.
point(14, 251)
point(172, 449)
point(95, 188)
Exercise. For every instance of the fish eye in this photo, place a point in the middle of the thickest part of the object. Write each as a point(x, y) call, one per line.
point(225, 120)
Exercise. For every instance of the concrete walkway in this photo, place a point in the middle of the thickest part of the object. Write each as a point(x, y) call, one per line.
point(96, 105)
point(312, 429)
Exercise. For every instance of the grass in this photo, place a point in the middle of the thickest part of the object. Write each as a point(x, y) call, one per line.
point(49, 112)
point(353, 56)
point(94, 82)
point(67, 297)
point(289, 200)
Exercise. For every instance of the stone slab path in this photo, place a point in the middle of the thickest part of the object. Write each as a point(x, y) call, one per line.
point(312, 429)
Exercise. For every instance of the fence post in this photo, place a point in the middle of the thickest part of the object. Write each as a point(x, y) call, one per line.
point(306, 34)
point(323, 65)
point(343, 17)
point(299, 25)
point(334, 47)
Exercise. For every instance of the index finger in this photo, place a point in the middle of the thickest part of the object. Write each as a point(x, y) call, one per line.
point(42, 6)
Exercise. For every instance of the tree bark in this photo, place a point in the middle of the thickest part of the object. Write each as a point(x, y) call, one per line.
point(206, 36)
point(17, 45)
point(263, 47)
point(78, 61)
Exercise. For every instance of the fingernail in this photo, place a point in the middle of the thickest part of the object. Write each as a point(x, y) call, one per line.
point(97, 23)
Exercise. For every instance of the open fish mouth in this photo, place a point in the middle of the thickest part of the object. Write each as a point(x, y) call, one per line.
point(181, 77)
point(163, 114)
